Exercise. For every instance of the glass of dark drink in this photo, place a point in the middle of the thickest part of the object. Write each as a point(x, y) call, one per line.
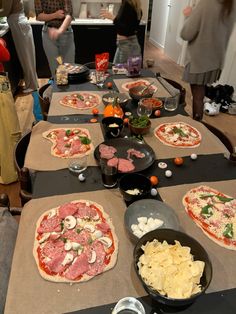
point(109, 170)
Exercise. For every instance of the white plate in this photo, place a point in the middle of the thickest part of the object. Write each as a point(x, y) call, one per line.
point(150, 208)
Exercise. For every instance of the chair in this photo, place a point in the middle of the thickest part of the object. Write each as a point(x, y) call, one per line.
point(180, 88)
point(91, 65)
point(5, 203)
point(23, 172)
point(44, 102)
point(222, 137)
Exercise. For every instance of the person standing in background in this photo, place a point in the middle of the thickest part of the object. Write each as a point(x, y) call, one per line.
point(9, 123)
point(207, 30)
point(126, 23)
point(23, 38)
point(57, 33)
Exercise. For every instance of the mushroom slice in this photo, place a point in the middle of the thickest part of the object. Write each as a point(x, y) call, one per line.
point(68, 259)
point(89, 227)
point(97, 234)
point(68, 246)
point(52, 213)
point(93, 257)
point(44, 237)
point(106, 241)
point(70, 222)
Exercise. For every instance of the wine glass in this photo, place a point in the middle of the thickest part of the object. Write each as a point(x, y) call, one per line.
point(144, 109)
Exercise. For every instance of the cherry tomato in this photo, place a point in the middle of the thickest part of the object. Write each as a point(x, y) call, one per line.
point(95, 111)
point(178, 161)
point(109, 84)
point(93, 120)
point(157, 113)
point(126, 121)
point(154, 180)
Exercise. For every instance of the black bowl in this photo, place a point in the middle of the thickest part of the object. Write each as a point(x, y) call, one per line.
point(112, 126)
point(139, 92)
point(122, 98)
point(197, 251)
point(133, 181)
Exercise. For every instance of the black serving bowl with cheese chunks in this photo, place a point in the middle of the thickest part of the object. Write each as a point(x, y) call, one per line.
point(134, 182)
point(198, 252)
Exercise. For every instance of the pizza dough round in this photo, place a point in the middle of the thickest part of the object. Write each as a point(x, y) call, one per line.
point(75, 247)
point(69, 142)
point(81, 100)
point(178, 134)
point(214, 213)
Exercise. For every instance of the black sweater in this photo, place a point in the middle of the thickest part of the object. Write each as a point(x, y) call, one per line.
point(126, 21)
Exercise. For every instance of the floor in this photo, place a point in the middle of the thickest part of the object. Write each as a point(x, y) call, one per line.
point(164, 65)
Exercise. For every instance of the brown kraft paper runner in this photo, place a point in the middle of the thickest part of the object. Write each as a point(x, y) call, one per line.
point(223, 260)
point(210, 144)
point(28, 292)
point(38, 156)
point(161, 91)
point(56, 109)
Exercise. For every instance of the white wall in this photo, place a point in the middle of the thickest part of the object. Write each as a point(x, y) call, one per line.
point(228, 75)
point(160, 12)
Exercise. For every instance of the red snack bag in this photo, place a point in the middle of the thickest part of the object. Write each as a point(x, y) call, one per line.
point(101, 61)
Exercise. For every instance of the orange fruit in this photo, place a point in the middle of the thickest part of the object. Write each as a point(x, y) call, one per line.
point(109, 84)
point(157, 113)
point(178, 161)
point(95, 111)
point(154, 180)
point(93, 120)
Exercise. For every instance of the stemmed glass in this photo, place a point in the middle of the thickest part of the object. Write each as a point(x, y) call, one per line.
point(144, 109)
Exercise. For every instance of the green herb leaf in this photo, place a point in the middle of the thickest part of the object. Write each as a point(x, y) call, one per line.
point(64, 240)
point(62, 225)
point(78, 230)
point(224, 199)
point(80, 97)
point(228, 232)
point(207, 211)
point(140, 122)
point(85, 140)
point(206, 195)
point(90, 241)
point(68, 132)
point(67, 145)
point(179, 131)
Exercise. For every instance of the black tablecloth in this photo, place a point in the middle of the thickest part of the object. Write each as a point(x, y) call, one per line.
point(212, 303)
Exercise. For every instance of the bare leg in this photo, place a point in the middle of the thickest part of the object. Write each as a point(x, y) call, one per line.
point(198, 93)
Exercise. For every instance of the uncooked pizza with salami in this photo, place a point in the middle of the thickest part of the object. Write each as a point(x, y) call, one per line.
point(81, 100)
point(69, 142)
point(75, 242)
point(178, 134)
point(214, 212)
point(126, 86)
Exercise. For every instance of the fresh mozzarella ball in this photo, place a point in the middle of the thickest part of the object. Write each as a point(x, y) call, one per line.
point(142, 219)
point(134, 227)
point(168, 173)
point(138, 233)
point(81, 177)
point(193, 156)
point(141, 225)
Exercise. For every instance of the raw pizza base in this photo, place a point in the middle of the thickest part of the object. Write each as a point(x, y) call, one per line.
point(57, 278)
point(137, 83)
point(54, 143)
point(169, 143)
point(229, 246)
point(85, 95)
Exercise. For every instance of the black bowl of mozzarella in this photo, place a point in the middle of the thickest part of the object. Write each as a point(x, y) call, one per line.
point(134, 186)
